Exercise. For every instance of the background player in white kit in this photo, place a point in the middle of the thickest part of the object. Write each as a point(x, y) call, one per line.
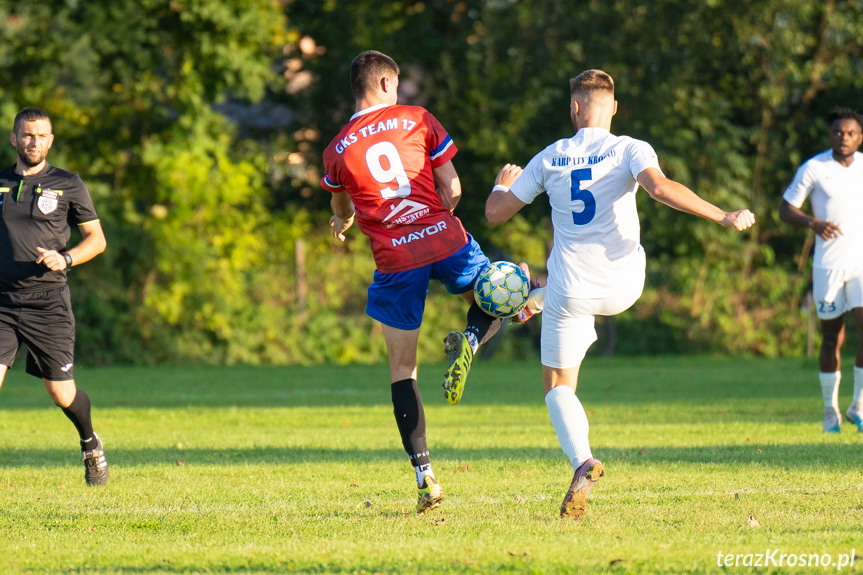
point(596, 266)
point(834, 180)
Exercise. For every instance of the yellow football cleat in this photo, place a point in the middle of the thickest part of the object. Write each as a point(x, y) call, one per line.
point(430, 495)
point(460, 355)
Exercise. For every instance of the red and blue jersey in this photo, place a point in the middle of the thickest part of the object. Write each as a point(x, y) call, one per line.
point(383, 158)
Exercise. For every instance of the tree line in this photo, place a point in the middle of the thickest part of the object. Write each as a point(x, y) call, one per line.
point(199, 126)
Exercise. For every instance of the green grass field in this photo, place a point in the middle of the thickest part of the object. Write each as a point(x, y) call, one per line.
point(279, 470)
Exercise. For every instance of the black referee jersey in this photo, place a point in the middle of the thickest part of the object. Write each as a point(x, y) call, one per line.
point(38, 211)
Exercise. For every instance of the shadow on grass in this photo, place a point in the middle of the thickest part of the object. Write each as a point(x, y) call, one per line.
point(613, 381)
point(782, 455)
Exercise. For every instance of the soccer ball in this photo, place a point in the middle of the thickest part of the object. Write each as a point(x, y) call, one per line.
point(501, 289)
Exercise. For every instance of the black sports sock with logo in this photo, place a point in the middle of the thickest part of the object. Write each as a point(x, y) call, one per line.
point(78, 413)
point(482, 325)
point(411, 420)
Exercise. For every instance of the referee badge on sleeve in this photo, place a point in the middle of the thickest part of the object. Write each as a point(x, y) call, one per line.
point(48, 200)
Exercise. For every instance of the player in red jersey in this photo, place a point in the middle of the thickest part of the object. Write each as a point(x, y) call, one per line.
point(391, 168)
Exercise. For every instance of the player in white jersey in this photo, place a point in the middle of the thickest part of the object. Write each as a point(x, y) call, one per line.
point(596, 266)
point(833, 181)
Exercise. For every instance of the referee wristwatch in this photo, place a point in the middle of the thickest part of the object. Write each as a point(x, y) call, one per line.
point(68, 259)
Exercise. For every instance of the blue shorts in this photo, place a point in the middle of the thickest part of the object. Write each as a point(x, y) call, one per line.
point(398, 299)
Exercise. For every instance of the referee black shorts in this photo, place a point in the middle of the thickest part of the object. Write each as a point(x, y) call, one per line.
point(43, 321)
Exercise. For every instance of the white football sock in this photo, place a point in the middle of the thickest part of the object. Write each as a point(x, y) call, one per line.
point(858, 385)
point(422, 471)
point(570, 424)
point(830, 388)
point(472, 341)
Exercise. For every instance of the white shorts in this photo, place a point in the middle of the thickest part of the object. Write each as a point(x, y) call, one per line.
point(836, 291)
point(568, 323)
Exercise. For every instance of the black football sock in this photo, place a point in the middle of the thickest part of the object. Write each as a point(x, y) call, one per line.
point(481, 325)
point(78, 413)
point(411, 420)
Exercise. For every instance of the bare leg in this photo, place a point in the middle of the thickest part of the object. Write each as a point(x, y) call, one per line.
point(829, 363)
point(62, 392)
point(858, 319)
point(833, 336)
point(553, 377)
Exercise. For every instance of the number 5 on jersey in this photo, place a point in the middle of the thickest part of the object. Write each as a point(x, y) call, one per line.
point(585, 196)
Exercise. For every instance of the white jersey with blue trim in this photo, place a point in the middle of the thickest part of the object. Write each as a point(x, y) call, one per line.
point(836, 193)
point(590, 180)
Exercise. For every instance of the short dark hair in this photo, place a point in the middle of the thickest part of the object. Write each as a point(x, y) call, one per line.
point(29, 115)
point(368, 69)
point(591, 81)
point(844, 114)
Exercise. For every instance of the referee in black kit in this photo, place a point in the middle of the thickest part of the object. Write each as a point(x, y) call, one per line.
point(38, 203)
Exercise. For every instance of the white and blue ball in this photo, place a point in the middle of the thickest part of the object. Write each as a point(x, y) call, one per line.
point(501, 289)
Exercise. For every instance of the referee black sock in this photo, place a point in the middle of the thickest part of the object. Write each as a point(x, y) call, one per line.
point(481, 325)
point(411, 420)
point(78, 413)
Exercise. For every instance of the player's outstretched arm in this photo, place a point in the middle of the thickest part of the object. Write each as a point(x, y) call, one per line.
point(343, 214)
point(502, 204)
point(793, 215)
point(681, 198)
point(447, 185)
